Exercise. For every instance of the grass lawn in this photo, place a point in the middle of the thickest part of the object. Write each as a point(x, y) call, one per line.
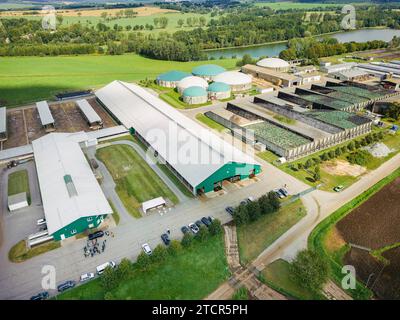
point(268, 156)
point(277, 275)
point(210, 122)
point(115, 213)
point(241, 294)
point(20, 253)
point(30, 79)
point(136, 181)
point(18, 182)
point(192, 274)
point(255, 237)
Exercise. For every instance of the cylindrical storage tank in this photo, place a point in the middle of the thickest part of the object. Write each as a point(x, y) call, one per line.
point(207, 71)
point(191, 81)
point(236, 80)
point(194, 95)
point(274, 64)
point(219, 90)
point(170, 79)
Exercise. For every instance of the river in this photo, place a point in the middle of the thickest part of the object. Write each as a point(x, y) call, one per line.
point(273, 49)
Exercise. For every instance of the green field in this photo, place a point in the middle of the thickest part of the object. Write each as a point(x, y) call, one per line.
point(19, 182)
point(192, 274)
point(136, 181)
point(255, 237)
point(19, 252)
point(30, 79)
point(295, 5)
point(278, 276)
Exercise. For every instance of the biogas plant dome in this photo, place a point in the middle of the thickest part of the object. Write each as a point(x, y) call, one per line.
point(191, 81)
point(194, 95)
point(238, 81)
point(207, 71)
point(274, 64)
point(170, 79)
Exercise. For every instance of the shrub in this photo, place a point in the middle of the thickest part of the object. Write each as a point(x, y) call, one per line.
point(240, 215)
point(109, 279)
point(324, 156)
point(109, 296)
point(265, 205)
point(159, 253)
point(308, 164)
point(338, 152)
point(143, 261)
point(360, 157)
point(124, 269)
point(351, 146)
point(174, 247)
point(274, 201)
point(332, 154)
point(254, 211)
point(299, 166)
point(215, 227)
point(187, 240)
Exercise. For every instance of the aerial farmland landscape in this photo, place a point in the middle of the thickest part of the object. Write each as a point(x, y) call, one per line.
point(218, 151)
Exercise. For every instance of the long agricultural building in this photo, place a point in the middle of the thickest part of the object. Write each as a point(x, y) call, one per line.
point(91, 116)
point(294, 125)
point(72, 198)
point(199, 159)
point(45, 115)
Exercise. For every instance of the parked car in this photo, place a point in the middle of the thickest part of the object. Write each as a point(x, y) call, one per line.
point(97, 234)
point(146, 249)
point(284, 192)
point(66, 285)
point(185, 229)
point(86, 276)
point(243, 202)
point(230, 210)
point(41, 222)
point(100, 269)
point(41, 296)
point(338, 188)
point(279, 194)
point(194, 228)
point(206, 221)
point(249, 199)
point(165, 239)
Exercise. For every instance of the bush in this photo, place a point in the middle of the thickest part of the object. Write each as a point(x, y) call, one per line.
point(265, 205)
point(240, 215)
point(203, 234)
point(351, 146)
point(308, 164)
point(254, 211)
point(109, 296)
point(124, 269)
point(360, 157)
point(310, 270)
point(215, 227)
point(143, 261)
point(187, 240)
point(109, 279)
point(174, 247)
point(159, 254)
point(274, 201)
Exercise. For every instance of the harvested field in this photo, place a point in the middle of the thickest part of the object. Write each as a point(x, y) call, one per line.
point(342, 168)
point(375, 225)
point(16, 130)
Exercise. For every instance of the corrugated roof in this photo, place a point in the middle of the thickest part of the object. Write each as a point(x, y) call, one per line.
point(88, 111)
point(3, 119)
point(170, 132)
point(44, 113)
point(58, 155)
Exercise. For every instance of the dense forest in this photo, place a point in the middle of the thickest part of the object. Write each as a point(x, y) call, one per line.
point(247, 26)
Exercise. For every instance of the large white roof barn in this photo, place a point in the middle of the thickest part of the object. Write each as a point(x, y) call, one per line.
point(191, 150)
point(68, 186)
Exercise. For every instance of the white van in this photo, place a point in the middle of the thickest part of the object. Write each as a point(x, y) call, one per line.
point(100, 269)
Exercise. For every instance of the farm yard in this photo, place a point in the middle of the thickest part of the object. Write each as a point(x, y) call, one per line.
point(374, 228)
point(30, 79)
point(135, 181)
point(24, 123)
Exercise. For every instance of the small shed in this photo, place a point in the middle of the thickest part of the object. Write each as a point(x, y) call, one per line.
point(17, 201)
point(153, 203)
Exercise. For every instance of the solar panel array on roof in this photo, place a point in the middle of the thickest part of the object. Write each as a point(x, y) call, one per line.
point(44, 113)
point(88, 111)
